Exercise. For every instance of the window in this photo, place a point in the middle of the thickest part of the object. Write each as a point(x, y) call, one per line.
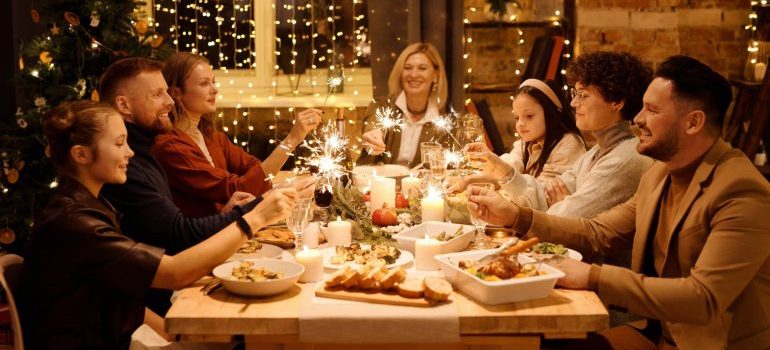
point(250, 42)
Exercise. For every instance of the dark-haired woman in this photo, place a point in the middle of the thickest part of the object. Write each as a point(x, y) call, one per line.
point(83, 282)
point(550, 141)
point(204, 167)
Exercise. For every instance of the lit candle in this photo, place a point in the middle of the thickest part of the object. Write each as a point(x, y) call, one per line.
point(424, 251)
point(338, 233)
point(383, 192)
point(432, 206)
point(410, 186)
point(312, 260)
point(361, 181)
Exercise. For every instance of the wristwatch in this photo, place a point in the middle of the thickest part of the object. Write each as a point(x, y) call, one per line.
point(245, 228)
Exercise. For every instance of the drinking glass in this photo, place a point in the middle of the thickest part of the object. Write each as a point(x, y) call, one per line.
point(435, 158)
point(425, 149)
point(481, 241)
point(299, 219)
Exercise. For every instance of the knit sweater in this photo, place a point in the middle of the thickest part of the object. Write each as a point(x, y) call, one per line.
point(569, 149)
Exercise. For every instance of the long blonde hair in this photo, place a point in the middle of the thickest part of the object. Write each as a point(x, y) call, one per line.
point(176, 70)
point(394, 82)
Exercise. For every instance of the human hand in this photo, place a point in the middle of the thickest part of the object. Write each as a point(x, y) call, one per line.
point(493, 165)
point(276, 204)
point(238, 198)
point(373, 142)
point(455, 184)
point(555, 191)
point(306, 121)
point(490, 206)
point(576, 272)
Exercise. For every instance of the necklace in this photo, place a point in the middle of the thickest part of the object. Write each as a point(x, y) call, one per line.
point(609, 149)
point(417, 112)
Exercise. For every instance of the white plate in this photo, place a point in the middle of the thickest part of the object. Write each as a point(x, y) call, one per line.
point(328, 252)
point(268, 251)
point(572, 254)
point(384, 170)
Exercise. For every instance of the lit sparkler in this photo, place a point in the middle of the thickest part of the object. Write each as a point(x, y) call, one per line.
point(326, 155)
point(446, 123)
point(452, 158)
point(333, 82)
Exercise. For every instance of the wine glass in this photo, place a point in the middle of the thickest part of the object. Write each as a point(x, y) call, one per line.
point(437, 163)
point(481, 241)
point(299, 219)
point(425, 149)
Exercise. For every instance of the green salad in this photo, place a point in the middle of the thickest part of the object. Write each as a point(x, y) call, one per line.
point(549, 248)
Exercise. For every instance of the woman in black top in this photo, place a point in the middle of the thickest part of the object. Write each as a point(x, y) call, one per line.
point(83, 282)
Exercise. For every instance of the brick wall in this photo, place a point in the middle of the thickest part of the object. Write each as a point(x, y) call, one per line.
point(711, 31)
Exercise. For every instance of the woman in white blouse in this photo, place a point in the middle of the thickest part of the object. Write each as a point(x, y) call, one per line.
point(550, 141)
point(418, 90)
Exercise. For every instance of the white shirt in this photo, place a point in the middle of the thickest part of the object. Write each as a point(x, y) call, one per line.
point(410, 133)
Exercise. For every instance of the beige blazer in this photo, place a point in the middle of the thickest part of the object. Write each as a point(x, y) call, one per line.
point(721, 244)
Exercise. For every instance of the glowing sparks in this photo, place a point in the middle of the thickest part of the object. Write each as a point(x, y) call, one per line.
point(452, 158)
point(446, 123)
point(326, 155)
point(335, 82)
point(434, 192)
point(386, 118)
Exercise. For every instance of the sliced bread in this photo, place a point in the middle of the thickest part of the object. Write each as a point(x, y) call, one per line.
point(437, 289)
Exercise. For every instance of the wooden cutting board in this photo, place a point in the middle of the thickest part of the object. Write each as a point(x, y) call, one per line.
point(390, 298)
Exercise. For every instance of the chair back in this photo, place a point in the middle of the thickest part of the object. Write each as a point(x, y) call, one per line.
point(10, 270)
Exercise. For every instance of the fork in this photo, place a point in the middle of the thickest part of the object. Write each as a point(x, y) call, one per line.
point(211, 286)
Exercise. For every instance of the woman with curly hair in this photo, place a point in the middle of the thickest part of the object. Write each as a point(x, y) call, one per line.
point(607, 94)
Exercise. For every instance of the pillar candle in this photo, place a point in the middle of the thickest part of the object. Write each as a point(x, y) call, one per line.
point(310, 235)
point(312, 260)
point(424, 251)
point(432, 208)
point(383, 191)
point(410, 186)
point(338, 233)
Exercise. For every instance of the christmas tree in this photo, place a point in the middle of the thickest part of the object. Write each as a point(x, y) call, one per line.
point(63, 64)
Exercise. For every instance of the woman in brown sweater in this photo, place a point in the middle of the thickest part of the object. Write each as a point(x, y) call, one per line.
point(204, 168)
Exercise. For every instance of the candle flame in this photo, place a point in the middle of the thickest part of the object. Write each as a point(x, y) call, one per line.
point(434, 192)
point(339, 219)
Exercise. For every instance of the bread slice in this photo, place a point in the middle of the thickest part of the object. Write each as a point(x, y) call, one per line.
point(437, 289)
point(392, 278)
point(337, 277)
point(371, 280)
point(411, 287)
point(356, 276)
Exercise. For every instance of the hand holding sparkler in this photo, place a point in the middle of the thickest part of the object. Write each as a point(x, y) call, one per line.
point(385, 118)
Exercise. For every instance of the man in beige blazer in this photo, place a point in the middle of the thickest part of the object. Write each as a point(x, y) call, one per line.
point(698, 226)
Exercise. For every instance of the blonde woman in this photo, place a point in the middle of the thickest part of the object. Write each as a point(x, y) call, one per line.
point(417, 88)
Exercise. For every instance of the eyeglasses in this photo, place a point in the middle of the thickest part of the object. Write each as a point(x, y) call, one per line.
point(577, 95)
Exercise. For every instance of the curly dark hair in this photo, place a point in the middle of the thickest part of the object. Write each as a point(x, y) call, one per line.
point(619, 76)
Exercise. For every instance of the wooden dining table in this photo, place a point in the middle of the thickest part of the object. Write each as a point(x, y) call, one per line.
point(273, 323)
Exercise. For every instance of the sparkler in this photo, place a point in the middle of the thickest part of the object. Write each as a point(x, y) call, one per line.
point(333, 83)
point(326, 155)
point(452, 158)
point(445, 123)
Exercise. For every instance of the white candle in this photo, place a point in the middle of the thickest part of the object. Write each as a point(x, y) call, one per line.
point(383, 192)
point(410, 186)
point(432, 206)
point(424, 251)
point(338, 233)
point(312, 260)
point(361, 181)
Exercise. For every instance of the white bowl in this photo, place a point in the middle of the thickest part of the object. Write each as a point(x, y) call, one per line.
point(498, 292)
point(291, 272)
point(268, 251)
point(407, 238)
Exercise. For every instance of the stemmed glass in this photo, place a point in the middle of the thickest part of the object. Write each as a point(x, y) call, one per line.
point(425, 149)
point(481, 241)
point(299, 219)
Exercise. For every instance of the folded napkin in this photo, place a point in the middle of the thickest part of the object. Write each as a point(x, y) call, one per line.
point(324, 320)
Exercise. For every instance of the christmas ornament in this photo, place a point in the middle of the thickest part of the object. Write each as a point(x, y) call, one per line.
point(94, 19)
point(40, 101)
point(21, 63)
point(95, 96)
point(156, 42)
point(81, 87)
point(72, 18)
point(35, 16)
point(22, 123)
point(141, 27)
point(45, 57)
point(7, 236)
point(12, 176)
point(55, 29)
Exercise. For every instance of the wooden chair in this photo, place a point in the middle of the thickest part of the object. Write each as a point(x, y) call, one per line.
point(10, 269)
point(747, 124)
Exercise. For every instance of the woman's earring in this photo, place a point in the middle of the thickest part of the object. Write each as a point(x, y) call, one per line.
point(435, 86)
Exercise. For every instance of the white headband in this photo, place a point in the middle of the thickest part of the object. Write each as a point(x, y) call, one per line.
point(544, 88)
